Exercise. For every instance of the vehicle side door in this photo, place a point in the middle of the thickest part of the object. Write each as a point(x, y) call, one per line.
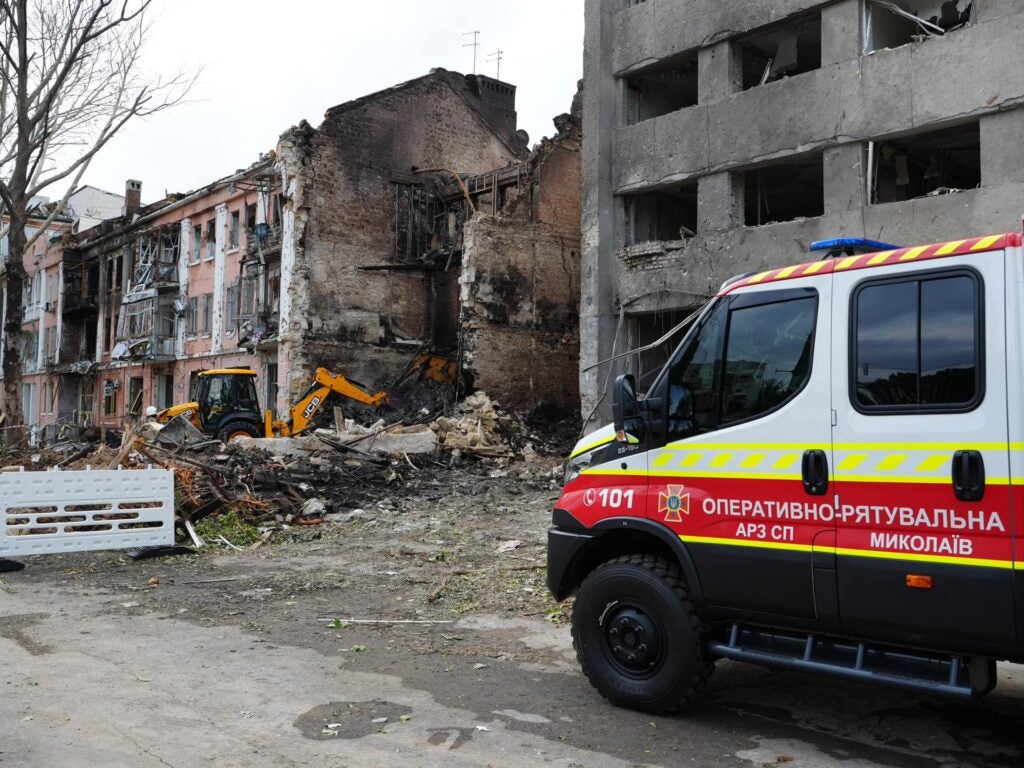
point(746, 402)
point(924, 532)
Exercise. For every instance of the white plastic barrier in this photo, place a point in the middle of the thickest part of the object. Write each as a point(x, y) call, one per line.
point(80, 511)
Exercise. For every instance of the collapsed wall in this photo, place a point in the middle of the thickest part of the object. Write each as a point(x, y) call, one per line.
point(520, 283)
point(357, 304)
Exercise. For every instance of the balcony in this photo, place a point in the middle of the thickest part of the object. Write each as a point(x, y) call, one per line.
point(258, 330)
point(81, 289)
point(79, 303)
point(146, 327)
point(261, 240)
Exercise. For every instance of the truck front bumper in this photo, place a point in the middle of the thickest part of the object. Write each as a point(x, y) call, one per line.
point(563, 546)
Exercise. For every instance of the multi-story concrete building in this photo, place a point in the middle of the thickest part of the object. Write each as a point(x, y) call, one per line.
point(723, 137)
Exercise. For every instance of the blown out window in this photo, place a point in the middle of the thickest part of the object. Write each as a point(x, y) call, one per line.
point(751, 355)
point(918, 344)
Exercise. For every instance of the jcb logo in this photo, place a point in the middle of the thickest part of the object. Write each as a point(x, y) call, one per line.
point(311, 407)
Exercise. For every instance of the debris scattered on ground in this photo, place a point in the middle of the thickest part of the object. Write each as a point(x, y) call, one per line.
point(236, 495)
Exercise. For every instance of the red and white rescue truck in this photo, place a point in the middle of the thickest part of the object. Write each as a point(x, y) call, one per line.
point(827, 475)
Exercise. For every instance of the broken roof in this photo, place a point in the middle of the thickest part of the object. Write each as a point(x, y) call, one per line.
point(466, 86)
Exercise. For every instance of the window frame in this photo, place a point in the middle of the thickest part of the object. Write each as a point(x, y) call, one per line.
point(732, 303)
point(192, 317)
point(979, 343)
point(211, 240)
point(207, 310)
point(234, 230)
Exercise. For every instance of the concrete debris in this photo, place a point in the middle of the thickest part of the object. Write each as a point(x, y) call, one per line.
point(478, 428)
point(329, 476)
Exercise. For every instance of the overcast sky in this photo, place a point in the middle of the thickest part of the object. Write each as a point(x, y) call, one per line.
point(267, 65)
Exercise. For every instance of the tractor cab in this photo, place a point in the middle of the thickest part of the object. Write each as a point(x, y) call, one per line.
point(226, 404)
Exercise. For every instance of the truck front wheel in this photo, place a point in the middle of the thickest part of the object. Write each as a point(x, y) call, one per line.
point(636, 635)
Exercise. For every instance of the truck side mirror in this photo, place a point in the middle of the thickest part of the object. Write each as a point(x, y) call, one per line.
point(626, 410)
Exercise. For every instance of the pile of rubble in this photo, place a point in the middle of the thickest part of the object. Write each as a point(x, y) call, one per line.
point(275, 482)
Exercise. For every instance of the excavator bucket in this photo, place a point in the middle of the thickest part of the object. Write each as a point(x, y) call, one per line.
point(179, 432)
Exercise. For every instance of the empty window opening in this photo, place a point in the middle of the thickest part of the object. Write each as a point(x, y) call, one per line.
point(892, 23)
point(667, 87)
point(933, 163)
point(668, 214)
point(644, 329)
point(783, 192)
point(782, 50)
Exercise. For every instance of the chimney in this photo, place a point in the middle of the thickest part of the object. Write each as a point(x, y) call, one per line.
point(132, 198)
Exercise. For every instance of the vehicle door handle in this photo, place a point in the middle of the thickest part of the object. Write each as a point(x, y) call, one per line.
point(968, 475)
point(815, 472)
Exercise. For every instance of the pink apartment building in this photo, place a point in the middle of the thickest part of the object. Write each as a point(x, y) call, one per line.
point(121, 316)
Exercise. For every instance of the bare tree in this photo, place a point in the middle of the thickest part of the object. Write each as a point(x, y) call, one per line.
point(70, 79)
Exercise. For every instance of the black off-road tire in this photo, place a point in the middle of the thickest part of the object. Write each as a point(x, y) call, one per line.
point(237, 429)
point(637, 637)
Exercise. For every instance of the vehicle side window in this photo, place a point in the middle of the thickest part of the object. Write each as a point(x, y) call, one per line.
point(247, 401)
point(694, 387)
point(917, 344)
point(768, 357)
point(746, 361)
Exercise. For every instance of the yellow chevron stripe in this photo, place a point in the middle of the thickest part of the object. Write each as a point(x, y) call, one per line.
point(948, 248)
point(663, 458)
point(913, 253)
point(985, 243)
point(691, 460)
point(879, 258)
point(932, 463)
point(851, 462)
point(784, 273)
point(891, 462)
point(787, 461)
point(752, 460)
point(920, 446)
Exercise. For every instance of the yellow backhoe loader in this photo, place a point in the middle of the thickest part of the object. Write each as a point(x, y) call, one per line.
point(227, 406)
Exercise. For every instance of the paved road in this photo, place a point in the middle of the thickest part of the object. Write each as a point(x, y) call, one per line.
point(119, 676)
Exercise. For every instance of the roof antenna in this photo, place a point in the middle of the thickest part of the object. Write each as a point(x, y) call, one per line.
point(496, 57)
point(474, 45)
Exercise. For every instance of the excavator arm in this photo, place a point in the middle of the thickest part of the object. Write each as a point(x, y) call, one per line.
point(304, 412)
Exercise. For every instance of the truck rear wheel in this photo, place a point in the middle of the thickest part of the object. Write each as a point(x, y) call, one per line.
point(636, 635)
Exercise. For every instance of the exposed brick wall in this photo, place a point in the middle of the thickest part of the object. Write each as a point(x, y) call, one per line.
point(521, 284)
point(349, 196)
point(556, 191)
point(520, 296)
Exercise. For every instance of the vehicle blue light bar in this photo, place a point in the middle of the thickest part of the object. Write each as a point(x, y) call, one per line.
point(850, 246)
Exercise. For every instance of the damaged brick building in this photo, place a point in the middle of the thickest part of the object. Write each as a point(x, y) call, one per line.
point(413, 219)
point(385, 219)
point(723, 137)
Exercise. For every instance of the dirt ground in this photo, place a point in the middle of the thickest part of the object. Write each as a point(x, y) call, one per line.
point(411, 629)
point(444, 545)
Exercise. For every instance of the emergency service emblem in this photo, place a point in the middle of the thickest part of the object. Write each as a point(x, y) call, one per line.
point(673, 503)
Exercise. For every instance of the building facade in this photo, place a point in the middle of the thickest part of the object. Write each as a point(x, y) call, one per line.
point(371, 242)
point(723, 137)
point(347, 247)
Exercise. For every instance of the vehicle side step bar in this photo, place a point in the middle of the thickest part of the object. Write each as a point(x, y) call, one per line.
point(955, 676)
